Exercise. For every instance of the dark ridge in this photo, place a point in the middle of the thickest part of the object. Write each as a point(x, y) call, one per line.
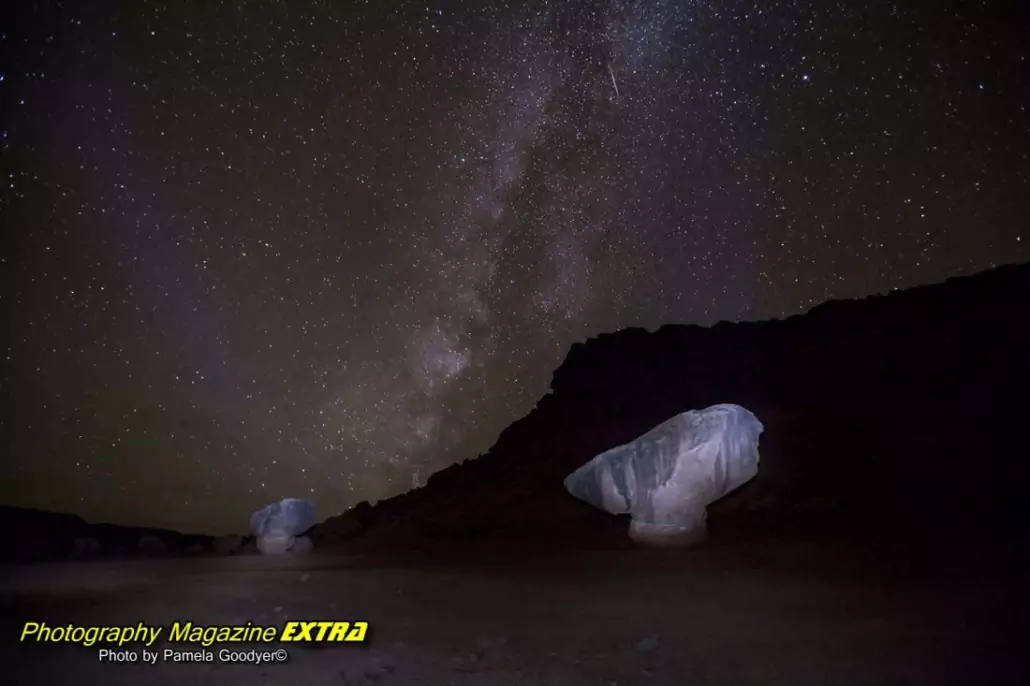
point(891, 416)
point(36, 536)
point(896, 415)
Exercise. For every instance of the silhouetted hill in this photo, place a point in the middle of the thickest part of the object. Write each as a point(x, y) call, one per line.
point(37, 535)
point(897, 415)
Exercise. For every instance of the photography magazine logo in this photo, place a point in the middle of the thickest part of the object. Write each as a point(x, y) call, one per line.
point(188, 642)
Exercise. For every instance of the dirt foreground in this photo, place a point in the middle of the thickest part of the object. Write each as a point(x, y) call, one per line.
point(775, 612)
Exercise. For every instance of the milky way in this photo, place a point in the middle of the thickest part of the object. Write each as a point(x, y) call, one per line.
point(267, 250)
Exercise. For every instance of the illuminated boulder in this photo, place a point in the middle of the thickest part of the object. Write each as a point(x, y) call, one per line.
point(666, 478)
point(277, 526)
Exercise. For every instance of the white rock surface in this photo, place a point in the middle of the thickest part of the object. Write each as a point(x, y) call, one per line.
point(667, 477)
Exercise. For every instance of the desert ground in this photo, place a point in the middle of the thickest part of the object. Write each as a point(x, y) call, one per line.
point(769, 612)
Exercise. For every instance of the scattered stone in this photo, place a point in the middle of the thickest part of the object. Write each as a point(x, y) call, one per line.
point(305, 576)
point(490, 648)
point(560, 676)
point(487, 643)
point(227, 545)
point(648, 644)
point(372, 672)
point(461, 663)
point(302, 545)
point(277, 609)
point(377, 672)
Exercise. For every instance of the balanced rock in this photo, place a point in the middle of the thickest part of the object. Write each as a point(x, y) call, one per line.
point(277, 526)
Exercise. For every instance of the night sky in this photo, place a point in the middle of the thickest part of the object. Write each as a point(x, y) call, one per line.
point(258, 249)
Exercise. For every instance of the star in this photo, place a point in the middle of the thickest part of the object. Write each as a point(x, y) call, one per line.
point(333, 250)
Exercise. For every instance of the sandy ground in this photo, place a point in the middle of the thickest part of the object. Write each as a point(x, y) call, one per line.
point(770, 613)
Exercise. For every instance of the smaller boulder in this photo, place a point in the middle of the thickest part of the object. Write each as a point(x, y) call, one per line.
point(302, 545)
point(277, 525)
point(152, 545)
point(84, 547)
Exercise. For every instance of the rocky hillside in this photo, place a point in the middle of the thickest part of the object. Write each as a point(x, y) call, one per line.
point(894, 415)
point(899, 414)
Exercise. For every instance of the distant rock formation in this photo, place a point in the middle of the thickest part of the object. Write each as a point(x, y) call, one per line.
point(152, 546)
point(899, 414)
point(84, 547)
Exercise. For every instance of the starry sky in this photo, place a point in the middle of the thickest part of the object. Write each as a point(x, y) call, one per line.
point(265, 249)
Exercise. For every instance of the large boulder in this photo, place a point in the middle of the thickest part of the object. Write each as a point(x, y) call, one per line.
point(666, 478)
point(277, 526)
